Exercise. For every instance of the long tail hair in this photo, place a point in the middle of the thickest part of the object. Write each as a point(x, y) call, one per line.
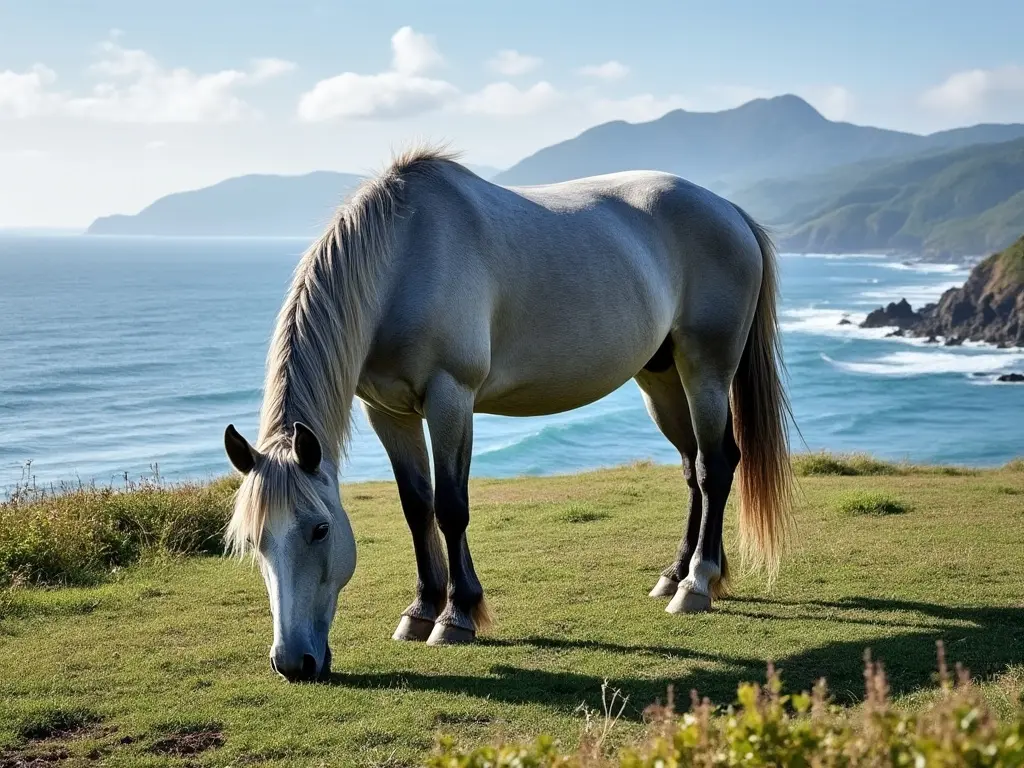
point(760, 410)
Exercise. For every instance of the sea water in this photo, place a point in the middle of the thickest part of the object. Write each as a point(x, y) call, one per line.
point(121, 354)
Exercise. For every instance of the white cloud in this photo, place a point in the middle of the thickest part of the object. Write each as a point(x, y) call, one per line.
point(511, 63)
point(413, 53)
point(387, 95)
point(505, 99)
point(610, 70)
point(266, 69)
point(406, 90)
point(401, 92)
point(972, 91)
point(155, 144)
point(134, 87)
point(24, 94)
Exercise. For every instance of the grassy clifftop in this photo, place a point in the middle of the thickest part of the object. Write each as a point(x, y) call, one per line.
point(170, 654)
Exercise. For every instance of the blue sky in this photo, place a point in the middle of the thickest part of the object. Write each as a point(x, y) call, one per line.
point(106, 105)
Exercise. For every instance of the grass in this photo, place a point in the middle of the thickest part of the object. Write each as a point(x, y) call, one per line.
point(862, 465)
point(170, 648)
point(78, 536)
point(874, 504)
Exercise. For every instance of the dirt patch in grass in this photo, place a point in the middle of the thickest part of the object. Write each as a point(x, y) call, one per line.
point(189, 740)
point(36, 760)
point(44, 734)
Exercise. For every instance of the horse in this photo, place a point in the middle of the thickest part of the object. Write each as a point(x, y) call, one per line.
point(433, 295)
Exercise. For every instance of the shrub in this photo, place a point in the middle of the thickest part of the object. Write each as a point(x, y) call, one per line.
point(768, 728)
point(845, 465)
point(874, 504)
point(76, 536)
point(861, 464)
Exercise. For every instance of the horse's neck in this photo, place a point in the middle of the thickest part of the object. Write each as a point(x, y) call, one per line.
point(328, 322)
point(313, 374)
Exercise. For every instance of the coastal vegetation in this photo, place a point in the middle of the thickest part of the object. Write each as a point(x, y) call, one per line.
point(125, 639)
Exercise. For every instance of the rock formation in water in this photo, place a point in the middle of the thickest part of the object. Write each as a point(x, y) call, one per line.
point(989, 307)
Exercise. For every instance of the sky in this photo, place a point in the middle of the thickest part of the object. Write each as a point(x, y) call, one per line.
point(107, 105)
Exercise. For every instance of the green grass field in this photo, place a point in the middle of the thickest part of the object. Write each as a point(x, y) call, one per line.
point(165, 662)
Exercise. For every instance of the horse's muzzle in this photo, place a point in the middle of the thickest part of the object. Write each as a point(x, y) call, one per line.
point(302, 670)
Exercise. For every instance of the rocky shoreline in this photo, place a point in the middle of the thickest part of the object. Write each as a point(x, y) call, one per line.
point(989, 307)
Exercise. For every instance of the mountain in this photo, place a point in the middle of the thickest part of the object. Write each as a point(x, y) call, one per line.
point(259, 205)
point(778, 157)
point(256, 205)
point(959, 202)
point(988, 307)
point(765, 138)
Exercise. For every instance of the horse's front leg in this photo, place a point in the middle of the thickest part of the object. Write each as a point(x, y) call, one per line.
point(402, 438)
point(449, 410)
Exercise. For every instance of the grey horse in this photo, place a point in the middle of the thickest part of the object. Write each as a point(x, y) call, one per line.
point(434, 295)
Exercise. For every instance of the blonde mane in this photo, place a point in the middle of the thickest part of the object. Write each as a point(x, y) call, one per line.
point(323, 333)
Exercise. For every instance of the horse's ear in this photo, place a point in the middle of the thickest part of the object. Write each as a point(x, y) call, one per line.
point(242, 455)
point(306, 448)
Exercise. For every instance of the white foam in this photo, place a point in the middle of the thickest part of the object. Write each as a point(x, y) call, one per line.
point(920, 363)
point(837, 256)
point(826, 322)
point(926, 267)
point(917, 295)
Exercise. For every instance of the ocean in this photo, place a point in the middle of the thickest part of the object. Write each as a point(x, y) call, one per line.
point(124, 356)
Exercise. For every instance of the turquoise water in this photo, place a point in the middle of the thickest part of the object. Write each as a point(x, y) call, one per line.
point(121, 353)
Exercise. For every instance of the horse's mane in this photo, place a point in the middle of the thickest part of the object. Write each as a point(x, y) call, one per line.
point(322, 336)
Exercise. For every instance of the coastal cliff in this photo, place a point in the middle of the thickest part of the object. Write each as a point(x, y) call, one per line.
point(988, 307)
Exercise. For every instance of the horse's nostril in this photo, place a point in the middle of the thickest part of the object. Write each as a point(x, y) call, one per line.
point(308, 667)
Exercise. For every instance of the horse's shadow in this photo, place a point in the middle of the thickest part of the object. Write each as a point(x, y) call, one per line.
point(984, 639)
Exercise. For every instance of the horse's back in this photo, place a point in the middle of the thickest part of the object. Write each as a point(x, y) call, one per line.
point(549, 297)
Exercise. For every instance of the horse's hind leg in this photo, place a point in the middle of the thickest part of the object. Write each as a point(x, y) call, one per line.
point(449, 410)
point(666, 403)
point(717, 457)
point(403, 440)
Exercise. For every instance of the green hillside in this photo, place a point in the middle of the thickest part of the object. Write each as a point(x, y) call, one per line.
point(961, 202)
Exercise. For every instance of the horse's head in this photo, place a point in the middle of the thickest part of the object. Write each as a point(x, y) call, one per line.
point(288, 515)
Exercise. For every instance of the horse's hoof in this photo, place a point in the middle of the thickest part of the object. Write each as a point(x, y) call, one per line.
point(411, 628)
point(686, 601)
point(665, 587)
point(446, 634)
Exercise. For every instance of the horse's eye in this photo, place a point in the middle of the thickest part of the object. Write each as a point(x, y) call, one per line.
point(320, 531)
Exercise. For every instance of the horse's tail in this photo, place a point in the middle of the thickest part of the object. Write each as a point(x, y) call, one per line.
point(760, 409)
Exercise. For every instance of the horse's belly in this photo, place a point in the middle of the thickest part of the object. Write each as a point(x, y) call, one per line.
point(522, 391)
